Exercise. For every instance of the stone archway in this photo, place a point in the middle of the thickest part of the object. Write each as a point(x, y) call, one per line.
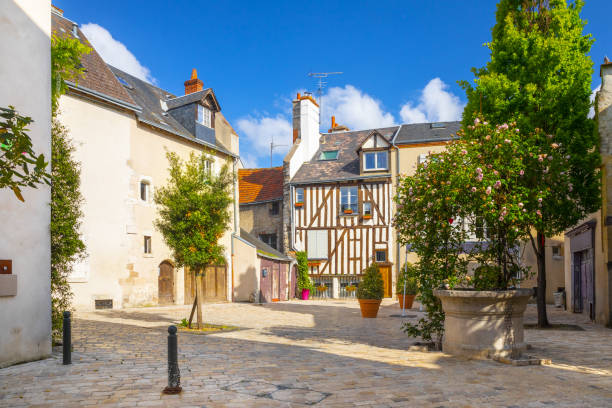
point(165, 283)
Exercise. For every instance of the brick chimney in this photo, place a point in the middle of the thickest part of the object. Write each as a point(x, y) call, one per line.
point(335, 127)
point(194, 84)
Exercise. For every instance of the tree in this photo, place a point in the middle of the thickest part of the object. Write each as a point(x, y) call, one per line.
point(539, 76)
point(193, 215)
point(67, 247)
point(19, 164)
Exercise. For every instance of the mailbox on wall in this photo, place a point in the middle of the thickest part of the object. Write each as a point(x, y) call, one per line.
point(8, 281)
point(264, 272)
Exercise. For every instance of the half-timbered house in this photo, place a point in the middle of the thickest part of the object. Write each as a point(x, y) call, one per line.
point(339, 195)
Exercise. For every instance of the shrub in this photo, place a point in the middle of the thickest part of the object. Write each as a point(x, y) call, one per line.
point(371, 286)
point(303, 280)
point(408, 275)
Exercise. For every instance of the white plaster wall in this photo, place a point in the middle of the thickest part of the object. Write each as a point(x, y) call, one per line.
point(25, 319)
point(246, 270)
point(101, 137)
point(310, 136)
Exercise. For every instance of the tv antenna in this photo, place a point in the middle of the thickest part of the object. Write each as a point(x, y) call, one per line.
point(321, 76)
point(272, 147)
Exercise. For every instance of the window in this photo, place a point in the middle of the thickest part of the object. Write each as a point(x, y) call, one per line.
point(207, 167)
point(438, 125)
point(144, 190)
point(381, 255)
point(375, 160)
point(422, 159)
point(348, 200)
point(367, 209)
point(274, 208)
point(316, 241)
point(556, 252)
point(299, 195)
point(147, 244)
point(329, 155)
point(269, 239)
point(204, 116)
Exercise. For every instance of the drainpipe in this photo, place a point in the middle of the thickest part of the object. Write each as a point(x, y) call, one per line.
point(396, 177)
point(235, 162)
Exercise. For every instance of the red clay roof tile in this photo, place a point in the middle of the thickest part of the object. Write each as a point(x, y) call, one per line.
point(260, 184)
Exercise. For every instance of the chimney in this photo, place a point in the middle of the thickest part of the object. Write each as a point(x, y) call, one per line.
point(306, 129)
point(336, 127)
point(194, 84)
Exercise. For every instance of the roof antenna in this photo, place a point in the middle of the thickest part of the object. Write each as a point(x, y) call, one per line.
point(272, 147)
point(322, 82)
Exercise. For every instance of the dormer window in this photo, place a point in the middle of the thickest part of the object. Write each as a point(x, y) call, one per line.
point(375, 160)
point(204, 116)
point(329, 155)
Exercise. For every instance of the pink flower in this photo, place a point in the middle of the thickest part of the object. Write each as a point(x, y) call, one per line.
point(495, 172)
point(497, 184)
point(479, 177)
point(476, 121)
point(540, 158)
point(488, 137)
point(410, 191)
point(507, 141)
point(550, 158)
point(488, 190)
point(539, 213)
point(464, 152)
point(554, 145)
point(501, 217)
point(478, 170)
point(540, 200)
point(520, 205)
point(473, 189)
point(489, 166)
point(522, 172)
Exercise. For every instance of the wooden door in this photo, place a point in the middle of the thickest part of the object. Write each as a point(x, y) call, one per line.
point(385, 271)
point(165, 283)
point(215, 283)
point(276, 282)
point(577, 282)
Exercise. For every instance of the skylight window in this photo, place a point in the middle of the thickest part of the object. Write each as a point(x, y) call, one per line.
point(329, 155)
point(438, 125)
point(123, 82)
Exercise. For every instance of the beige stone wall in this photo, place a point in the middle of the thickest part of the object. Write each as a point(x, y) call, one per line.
point(116, 154)
point(555, 266)
point(246, 270)
point(25, 315)
point(256, 219)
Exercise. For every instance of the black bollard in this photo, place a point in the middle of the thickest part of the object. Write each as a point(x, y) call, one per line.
point(174, 375)
point(66, 341)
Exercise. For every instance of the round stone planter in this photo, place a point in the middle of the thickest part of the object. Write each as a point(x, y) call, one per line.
point(484, 324)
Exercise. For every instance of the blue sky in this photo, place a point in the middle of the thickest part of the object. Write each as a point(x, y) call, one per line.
point(400, 59)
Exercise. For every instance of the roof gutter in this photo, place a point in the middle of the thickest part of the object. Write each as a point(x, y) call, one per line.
point(104, 97)
point(297, 183)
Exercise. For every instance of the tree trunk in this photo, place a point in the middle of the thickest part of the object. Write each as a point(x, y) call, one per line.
point(541, 295)
point(199, 297)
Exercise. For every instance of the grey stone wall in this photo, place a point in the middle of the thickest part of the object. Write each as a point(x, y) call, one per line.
point(256, 219)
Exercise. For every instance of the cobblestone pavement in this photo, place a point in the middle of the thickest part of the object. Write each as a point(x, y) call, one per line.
point(296, 354)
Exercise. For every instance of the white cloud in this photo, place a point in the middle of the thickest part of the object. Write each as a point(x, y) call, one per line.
point(259, 132)
point(113, 52)
point(592, 110)
point(354, 109)
point(436, 104)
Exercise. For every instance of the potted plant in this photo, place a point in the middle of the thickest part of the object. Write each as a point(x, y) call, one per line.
point(347, 211)
point(304, 283)
point(406, 287)
point(299, 205)
point(350, 289)
point(321, 289)
point(367, 216)
point(370, 291)
point(480, 190)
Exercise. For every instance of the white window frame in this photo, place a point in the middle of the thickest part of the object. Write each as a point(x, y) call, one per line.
point(317, 244)
point(208, 166)
point(369, 205)
point(352, 194)
point(377, 165)
point(204, 116)
point(422, 159)
point(299, 191)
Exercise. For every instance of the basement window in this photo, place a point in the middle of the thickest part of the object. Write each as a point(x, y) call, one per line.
point(103, 304)
point(329, 155)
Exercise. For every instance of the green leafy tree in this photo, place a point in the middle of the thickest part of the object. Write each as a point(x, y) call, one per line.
point(19, 164)
point(194, 214)
point(67, 247)
point(539, 76)
point(303, 280)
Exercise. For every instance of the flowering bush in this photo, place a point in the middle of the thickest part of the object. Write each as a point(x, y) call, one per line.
point(476, 202)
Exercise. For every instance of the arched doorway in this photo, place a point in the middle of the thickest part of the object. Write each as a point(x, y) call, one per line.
point(165, 283)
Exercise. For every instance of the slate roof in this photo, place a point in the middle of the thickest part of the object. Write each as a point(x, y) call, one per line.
point(257, 185)
point(177, 101)
point(347, 164)
point(98, 77)
point(263, 249)
point(425, 132)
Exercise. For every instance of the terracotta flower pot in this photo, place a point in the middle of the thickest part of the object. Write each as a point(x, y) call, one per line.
point(369, 307)
point(298, 205)
point(405, 300)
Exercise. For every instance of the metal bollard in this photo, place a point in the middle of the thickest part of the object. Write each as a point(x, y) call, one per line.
point(67, 341)
point(174, 375)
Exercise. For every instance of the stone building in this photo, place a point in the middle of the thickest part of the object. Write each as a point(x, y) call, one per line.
point(122, 128)
point(261, 204)
point(588, 246)
point(25, 245)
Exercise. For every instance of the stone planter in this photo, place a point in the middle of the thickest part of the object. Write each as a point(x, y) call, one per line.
point(484, 324)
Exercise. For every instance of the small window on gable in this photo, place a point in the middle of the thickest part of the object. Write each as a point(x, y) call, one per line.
point(145, 188)
point(329, 155)
point(375, 160)
point(147, 244)
point(299, 195)
point(204, 116)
